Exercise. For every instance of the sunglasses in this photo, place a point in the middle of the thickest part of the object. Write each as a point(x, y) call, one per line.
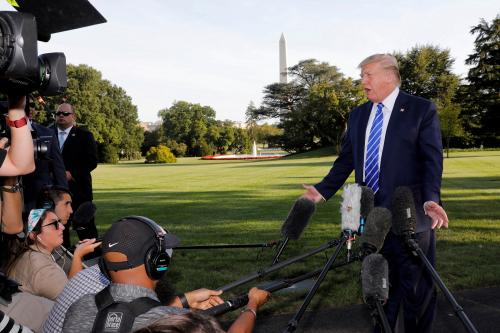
point(61, 113)
point(32, 105)
point(54, 223)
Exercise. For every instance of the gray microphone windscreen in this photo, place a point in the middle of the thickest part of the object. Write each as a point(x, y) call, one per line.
point(377, 226)
point(367, 201)
point(298, 218)
point(404, 218)
point(375, 278)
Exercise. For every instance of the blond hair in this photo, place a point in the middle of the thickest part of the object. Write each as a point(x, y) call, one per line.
point(387, 61)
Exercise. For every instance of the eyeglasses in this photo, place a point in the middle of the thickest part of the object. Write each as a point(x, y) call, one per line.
point(61, 113)
point(54, 223)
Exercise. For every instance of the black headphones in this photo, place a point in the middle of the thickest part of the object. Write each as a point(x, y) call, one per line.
point(156, 260)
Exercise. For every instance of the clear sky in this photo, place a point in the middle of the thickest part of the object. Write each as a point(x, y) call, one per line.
point(223, 53)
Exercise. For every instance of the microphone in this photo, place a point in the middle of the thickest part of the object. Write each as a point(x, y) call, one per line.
point(403, 211)
point(375, 279)
point(375, 286)
point(378, 224)
point(367, 204)
point(350, 212)
point(298, 217)
point(404, 224)
point(83, 215)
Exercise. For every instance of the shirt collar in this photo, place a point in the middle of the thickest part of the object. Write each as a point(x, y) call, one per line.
point(67, 130)
point(390, 100)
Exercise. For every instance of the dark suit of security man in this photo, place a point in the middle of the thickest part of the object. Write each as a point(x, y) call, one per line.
point(409, 154)
point(79, 152)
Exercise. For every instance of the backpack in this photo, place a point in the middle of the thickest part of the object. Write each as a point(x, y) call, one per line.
point(119, 317)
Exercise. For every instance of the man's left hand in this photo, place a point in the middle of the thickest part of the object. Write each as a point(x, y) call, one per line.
point(203, 299)
point(437, 214)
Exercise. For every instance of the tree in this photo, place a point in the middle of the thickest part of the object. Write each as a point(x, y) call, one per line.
point(189, 124)
point(426, 72)
point(312, 109)
point(105, 109)
point(481, 100)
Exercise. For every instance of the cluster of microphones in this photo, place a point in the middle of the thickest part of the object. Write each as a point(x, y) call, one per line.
point(361, 222)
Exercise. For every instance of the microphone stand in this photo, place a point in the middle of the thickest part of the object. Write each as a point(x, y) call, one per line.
point(378, 314)
point(293, 323)
point(437, 279)
point(226, 246)
point(242, 300)
point(280, 250)
point(270, 269)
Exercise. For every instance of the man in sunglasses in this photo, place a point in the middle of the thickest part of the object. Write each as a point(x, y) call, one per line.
point(79, 152)
point(49, 170)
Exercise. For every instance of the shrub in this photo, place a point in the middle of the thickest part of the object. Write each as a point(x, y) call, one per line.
point(160, 154)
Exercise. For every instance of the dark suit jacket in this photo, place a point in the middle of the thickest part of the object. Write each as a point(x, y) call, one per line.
point(49, 168)
point(412, 154)
point(80, 158)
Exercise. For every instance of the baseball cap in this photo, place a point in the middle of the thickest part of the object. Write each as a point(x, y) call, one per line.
point(134, 238)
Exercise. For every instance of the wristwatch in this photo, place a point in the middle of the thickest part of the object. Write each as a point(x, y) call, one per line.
point(17, 123)
point(11, 189)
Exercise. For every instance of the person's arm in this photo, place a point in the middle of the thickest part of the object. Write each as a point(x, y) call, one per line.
point(246, 321)
point(83, 248)
point(200, 299)
point(11, 207)
point(431, 152)
point(20, 158)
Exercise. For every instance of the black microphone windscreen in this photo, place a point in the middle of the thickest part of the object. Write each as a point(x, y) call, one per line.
point(403, 211)
point(84, 214)
point(377, 226)
point(298, 218)
point(367, 201)
point(375, 278)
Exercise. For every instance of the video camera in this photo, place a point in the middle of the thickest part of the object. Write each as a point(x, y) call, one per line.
point(22, 70)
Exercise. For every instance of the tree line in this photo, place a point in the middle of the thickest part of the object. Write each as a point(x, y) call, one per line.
point(308, 112)
point(312, 109)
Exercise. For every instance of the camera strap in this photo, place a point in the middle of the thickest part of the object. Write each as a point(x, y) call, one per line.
point(113, 316)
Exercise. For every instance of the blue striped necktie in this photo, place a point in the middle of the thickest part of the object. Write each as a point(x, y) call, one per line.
point(372, 169)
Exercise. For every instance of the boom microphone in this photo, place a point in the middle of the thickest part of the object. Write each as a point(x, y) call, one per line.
point(367, 204)
point(375, 279)
point(375, 286)
point(350, 212)
point(404, 225)
point(403, 212)
point(378, 224)
point(295, 223)
point(298, 218)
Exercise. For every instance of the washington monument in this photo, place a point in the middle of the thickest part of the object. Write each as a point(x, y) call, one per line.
point(283, 68)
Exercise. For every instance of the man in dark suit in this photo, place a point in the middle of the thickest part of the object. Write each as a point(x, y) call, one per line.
point(79, 152)
point(49, 166)
point(395, 140)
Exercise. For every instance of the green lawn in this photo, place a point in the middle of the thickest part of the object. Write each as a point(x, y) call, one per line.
point(228, 202)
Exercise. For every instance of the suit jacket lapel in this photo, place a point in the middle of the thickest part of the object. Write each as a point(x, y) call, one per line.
point(398, 112)
point(363, 122)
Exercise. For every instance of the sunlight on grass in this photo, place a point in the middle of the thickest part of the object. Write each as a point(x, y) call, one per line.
point(233, 202)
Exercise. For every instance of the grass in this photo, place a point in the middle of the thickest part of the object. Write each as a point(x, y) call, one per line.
point(231, 202)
